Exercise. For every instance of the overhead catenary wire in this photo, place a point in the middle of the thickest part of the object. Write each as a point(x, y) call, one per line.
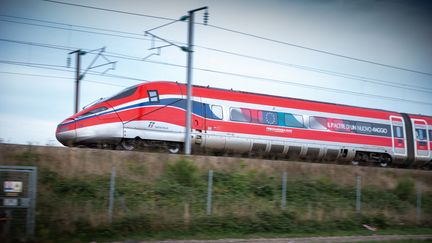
point(257, 37)
point(110, 10)
point(307, 68)
point(59, 77)
point(271, 80)
point(64, 69)
point(72, 25)
point(296, 84)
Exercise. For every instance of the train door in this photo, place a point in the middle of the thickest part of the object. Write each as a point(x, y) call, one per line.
point(421, 144)
point(398, 135)
point(214, 139)
point(198, 120)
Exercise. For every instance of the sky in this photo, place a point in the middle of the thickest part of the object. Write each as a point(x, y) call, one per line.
point(370, 53)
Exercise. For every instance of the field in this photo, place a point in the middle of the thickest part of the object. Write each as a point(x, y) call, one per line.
point(161, 196)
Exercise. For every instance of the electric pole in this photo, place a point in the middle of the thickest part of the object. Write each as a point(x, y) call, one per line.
point(77, 77)
point(189, 79)
point(189, 50)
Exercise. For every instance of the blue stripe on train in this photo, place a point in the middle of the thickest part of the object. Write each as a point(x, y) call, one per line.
point(198, 108)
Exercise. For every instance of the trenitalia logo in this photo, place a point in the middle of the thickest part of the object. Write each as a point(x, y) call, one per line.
point(151, 124)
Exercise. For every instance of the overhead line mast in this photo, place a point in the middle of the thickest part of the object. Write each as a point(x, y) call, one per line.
point(191, 17)
point(189, 49)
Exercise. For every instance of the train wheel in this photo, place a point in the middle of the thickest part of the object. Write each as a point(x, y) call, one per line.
point(128, 144)
point(383, 163)
point(174, 148)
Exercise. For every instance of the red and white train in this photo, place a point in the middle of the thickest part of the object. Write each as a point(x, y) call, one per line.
point(240, 122)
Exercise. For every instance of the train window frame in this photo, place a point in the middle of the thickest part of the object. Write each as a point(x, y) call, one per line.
point(94, 111)
point(153, 96)
point(215, 113)
point(269, 112)
point(364, 124)
point(424, 137)
point(240, 109)
point(124, 93)
point(296, 116)
point(398, 132)
point(315, 118)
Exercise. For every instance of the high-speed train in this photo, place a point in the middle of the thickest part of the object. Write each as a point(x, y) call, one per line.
point(153, 114)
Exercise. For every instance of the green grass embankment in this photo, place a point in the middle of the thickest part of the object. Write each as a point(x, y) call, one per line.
point(161, 196)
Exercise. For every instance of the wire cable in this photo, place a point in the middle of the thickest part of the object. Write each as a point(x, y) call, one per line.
point(63, 69)
point(293, 83)
point(307, 68)
point(257, 37)
point(110, 10)
point(59, 77)
point(327, 72)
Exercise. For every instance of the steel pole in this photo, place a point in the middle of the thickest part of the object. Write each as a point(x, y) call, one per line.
point(189, 85)
point(358, 195)
point(188, 128)
point(111, 194)
point(209, 192)
point(77, 79)
point(284, 188)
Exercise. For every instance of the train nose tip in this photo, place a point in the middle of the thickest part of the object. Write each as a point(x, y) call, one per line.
point(66, 133)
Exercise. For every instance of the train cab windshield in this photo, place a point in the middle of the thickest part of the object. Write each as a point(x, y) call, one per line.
point(94, 111)
point(123, 94)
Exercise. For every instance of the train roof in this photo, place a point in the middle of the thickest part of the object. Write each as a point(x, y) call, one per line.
point(291, 98)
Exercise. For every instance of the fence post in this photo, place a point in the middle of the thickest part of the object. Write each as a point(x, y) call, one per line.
point(111, 194)
point(209, 192)
point(418, 209)
point(358, 195)
point(284, 187)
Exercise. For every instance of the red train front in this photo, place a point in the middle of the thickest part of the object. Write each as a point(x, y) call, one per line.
point(153, 114)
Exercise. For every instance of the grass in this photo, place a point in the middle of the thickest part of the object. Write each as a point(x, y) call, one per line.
point(245, 204)
point(163, 197)
point(233, 235)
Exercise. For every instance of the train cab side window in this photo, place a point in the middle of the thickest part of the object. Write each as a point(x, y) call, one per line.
point(153, 96)
point(240, 114)
point(292, 120)
point(94, 111)
point(217, 112)
point(421, 134)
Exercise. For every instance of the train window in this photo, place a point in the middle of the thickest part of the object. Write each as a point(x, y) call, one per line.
point(319, 123)
point(217, 112)
point(269, 117)
point(125, 93)
point(339, 125)
point(363, 128)
point(292, 120)
point(398, 132)
point(240, 114)
point(421, 134)
point(94, 111)
point(153, 96)
point(430, 135)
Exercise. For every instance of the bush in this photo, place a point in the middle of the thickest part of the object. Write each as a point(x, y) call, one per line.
point(405, 189)
point(183, 172)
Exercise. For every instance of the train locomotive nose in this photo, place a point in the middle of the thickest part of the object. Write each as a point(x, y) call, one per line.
point(66, 132)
